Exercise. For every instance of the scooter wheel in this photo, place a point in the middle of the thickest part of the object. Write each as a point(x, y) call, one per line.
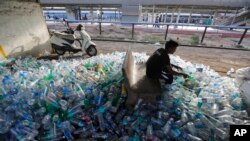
point(91, 50)
point(60, 52)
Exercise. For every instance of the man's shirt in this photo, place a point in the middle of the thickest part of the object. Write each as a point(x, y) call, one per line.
point(157, 63)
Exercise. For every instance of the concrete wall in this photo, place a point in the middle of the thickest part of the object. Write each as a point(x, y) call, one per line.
point(22, 28)
point(73, 12)
point(130, 13)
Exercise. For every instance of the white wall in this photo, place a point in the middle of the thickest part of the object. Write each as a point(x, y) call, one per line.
point(130, 13)
point(23, 29)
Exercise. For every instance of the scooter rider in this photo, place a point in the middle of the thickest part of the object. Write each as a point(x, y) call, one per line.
point(82, 35)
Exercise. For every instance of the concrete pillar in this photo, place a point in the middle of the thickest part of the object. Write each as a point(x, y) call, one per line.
point(70, 13)
point(115, 14)
point(100, 14)
point(73, 12)
point(178, 16)
point(79, 13)
point(146, 18)
point(23, 30)
point(153, 14)
point(140, 13)
point(225, 14)
point(119, 11)
point(172, 16)
point(215, 17)
point(166, 14)
point(91, 14)
point(130, 13)
point(190, 15)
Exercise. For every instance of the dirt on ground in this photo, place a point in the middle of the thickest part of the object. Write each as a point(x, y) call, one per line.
point(221, 60)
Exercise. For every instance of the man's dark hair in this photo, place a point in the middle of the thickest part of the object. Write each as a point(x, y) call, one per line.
point(170, 44)
point(78, 28)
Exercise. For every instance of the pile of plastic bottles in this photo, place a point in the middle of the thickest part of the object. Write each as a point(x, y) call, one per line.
point(84, 99)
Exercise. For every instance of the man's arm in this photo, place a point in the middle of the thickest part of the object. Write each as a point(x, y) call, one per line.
point(177, 67)
point(171, 71)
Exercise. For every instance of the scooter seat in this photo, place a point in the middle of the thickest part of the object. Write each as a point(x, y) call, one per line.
point(65, 35)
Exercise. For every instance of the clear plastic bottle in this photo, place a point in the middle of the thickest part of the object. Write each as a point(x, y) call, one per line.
point(194, 138)
point(101, 121)
point(100, 136)
point(30, 124)
point(46, 121)
point(138, 104)
point(184, 117)
point(226, 111)
point(167, 126)
point(191, 128)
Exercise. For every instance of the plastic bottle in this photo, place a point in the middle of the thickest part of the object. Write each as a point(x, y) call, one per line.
point(52, 100)
point(99, 99)
point(46, 121)
point(138, 104)
point(215, 121)
point(191, 128)
point(157, 122)
point(51, 136)
point(68, 135)
point(24, 115)
point(73, 111)
point(123, 91)
point(199, 124)
point(30, 134)
point(237, 103)
point(220, 133)
point(30, 124)
point(167, 126)
point(116, 102)
point(149, 130)
point(240, 114)
point(17, 135)
point(63, 104)
point(77, 122)
point(80, 130)
point(226, 111)
point(175, 132)
point(184, 117)
point(101, 121)
point(120, 115)
point(194, 138)
point(207, 122)
point(100, 136)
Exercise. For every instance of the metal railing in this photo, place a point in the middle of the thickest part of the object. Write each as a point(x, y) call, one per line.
point(167, 25)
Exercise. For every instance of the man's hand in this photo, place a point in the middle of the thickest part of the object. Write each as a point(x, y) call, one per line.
point(185, 75)
point(178, 68)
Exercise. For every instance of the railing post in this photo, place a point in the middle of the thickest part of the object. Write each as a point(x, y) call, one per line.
point(100, 28)
point(133, 28)
point(203, 34)
point(242, 36)
point(166, 33)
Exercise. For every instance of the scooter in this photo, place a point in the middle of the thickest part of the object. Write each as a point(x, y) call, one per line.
point(68, 41)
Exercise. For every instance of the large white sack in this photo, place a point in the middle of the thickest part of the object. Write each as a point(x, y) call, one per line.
point(242, 76)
